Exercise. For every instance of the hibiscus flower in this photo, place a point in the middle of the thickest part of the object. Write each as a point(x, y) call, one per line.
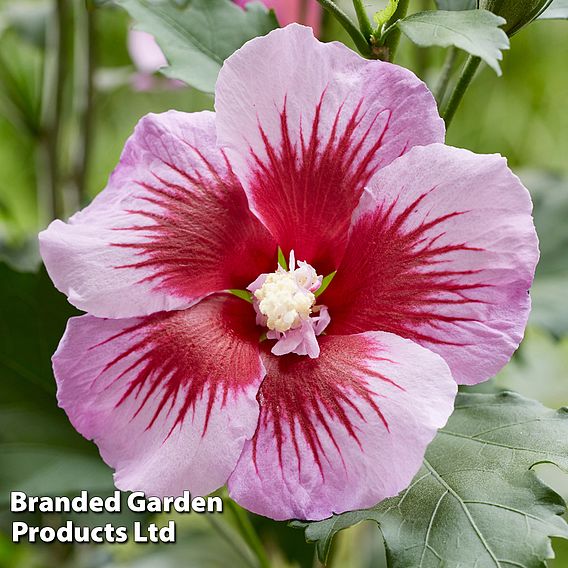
point(201, 361)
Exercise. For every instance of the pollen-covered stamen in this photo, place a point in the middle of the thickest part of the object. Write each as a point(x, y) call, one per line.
point(285, 303)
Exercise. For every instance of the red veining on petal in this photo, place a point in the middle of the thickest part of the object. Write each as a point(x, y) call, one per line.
point(306, 192)
point(177, 358)
point(199, 235)
point(391, 278)
point(305, 398)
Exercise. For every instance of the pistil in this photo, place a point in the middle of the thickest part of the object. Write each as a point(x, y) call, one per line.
point(285, 303)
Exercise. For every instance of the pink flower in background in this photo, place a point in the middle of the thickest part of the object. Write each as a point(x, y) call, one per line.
point(306, 12)
point(145, 52)
point(148, 59)
point(305, 404)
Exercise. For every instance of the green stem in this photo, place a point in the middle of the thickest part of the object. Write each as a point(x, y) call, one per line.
point(388, 49)
point(53, 101)
point(332, 557)
point(445, 75)
point(360, 41)
point(84, 92)
point(62, 72)
point(454, 101)
point(229, 536)
point(249, 534)
point(363, 18)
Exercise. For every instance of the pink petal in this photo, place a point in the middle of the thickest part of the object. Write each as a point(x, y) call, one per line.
point(307, 124)
point(343, 431)
point(171, 226)
point(170, 398)
point(442, 251)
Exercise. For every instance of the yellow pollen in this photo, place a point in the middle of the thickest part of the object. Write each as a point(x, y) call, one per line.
point(284, 301)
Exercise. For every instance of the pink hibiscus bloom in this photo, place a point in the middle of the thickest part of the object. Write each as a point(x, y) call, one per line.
point(306, 12)
point(305, 404)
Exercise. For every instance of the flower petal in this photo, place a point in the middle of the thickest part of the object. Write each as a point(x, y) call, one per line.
point(172, 226)
point(343, 431)
point(169, 398)
point(307, 124)
point(442, 251)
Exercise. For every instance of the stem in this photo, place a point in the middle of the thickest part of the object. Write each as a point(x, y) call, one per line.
point(236, 545)
point(363, 18)
point(84, 71)
point(466, 76)
point(54, 92)
point(249, 534)
point(355, 33)
point(333, 555)
point(62, 11)
point(388, 49)
point(445, 75)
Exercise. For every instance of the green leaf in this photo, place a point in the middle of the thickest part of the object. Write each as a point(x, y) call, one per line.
point(197, 37)
point(242, 294)
point(325, 283)
point(383, 16)
point(550, 197)
point(456, 5)
point(40, 451)
point(558, 10)
point(475, 502)
point(474, 31)
point(282, 259)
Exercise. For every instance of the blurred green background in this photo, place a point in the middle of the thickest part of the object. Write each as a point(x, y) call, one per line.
point(63, 122)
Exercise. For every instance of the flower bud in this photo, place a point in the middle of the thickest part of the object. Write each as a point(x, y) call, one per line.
point(518, 13)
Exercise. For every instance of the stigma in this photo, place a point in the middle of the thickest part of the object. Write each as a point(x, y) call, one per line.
point(285, 303)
